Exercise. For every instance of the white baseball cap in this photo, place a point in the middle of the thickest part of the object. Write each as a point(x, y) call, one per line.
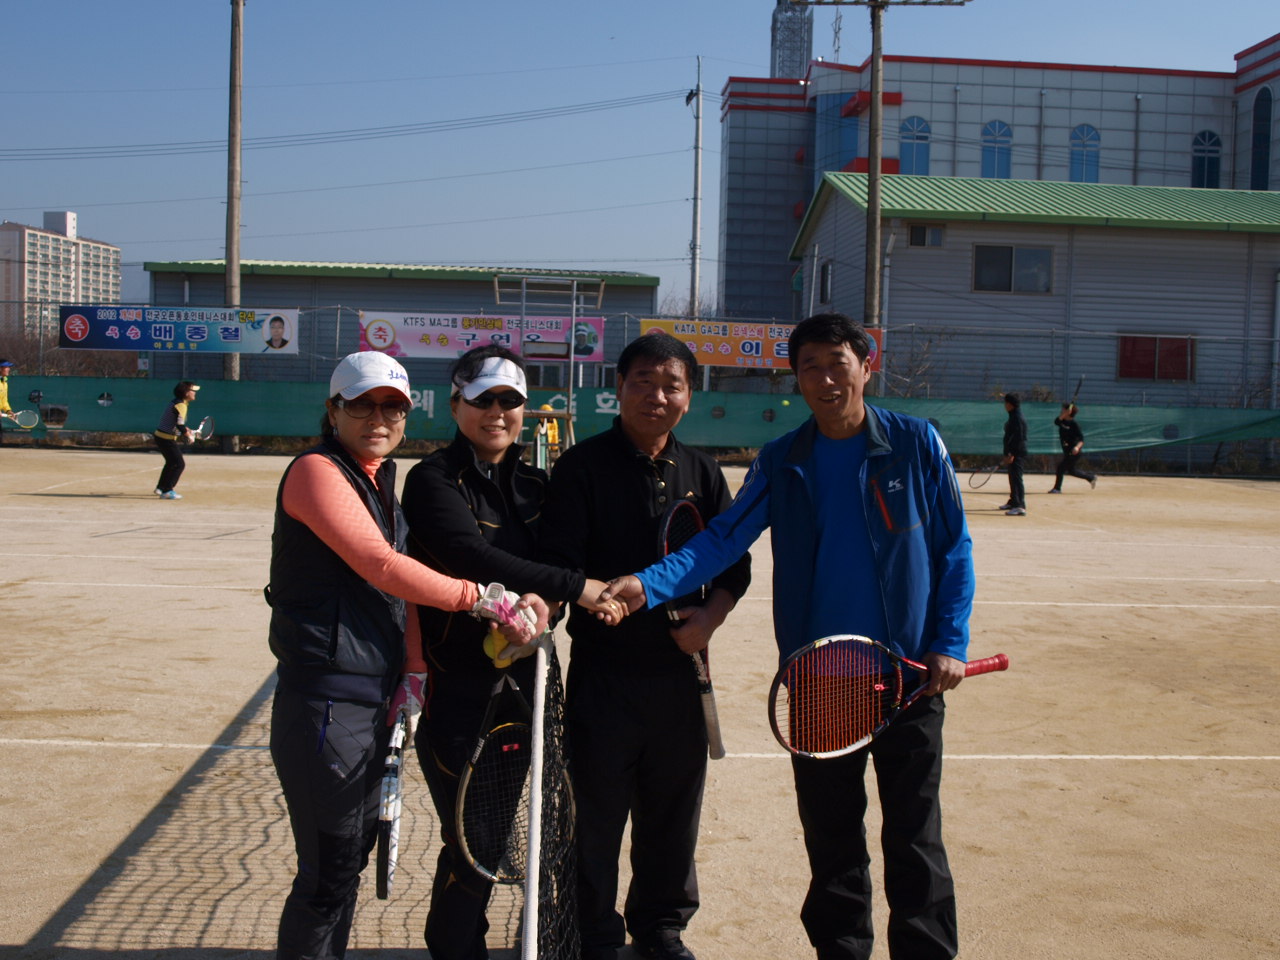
point(494, 372)
point(358, 373)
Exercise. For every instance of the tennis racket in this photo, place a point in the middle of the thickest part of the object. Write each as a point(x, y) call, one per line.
point(492, 817)
point(1079, 383)
point(389, 808)
point(204, 431)
point(680, 524)
point(979, 477)
point(837, 694)
point(26, 419)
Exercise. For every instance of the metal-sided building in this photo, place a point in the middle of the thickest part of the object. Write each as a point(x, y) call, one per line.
point(330, 297)
point(1159, 295)
point(988, 119)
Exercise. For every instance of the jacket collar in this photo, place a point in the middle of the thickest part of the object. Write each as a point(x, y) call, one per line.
point(877, 442)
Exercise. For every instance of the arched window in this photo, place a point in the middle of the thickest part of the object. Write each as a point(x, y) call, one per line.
point(1260, 155)
point(1085, 142)
point(1206, 159)
point(913, 146)
point(997, 150)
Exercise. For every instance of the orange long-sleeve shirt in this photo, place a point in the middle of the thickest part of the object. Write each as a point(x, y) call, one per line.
point(318, 495)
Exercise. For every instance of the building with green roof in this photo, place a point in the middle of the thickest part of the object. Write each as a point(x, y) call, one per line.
point(1158, 295)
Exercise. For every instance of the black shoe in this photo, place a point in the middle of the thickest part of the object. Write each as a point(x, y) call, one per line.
point(661, 945)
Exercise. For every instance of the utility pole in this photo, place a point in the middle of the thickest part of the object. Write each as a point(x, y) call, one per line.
point(875, 141)
point(231, 361)
point(695, 244)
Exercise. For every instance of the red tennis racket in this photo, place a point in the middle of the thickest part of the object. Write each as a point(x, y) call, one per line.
point(837, 694)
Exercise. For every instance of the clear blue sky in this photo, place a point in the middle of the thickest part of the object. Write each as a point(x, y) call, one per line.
point(602, 180)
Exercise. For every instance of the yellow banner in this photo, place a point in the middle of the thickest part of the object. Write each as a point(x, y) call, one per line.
point(733, 343)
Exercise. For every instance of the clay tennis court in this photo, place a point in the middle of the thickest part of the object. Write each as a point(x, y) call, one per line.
point(1115, 795)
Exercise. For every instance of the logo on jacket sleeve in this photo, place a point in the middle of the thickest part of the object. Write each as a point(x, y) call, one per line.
point(895, 485)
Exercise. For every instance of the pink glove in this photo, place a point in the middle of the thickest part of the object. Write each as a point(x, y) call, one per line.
point(409, 696)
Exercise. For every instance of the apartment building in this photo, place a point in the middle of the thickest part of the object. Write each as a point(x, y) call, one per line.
point(44, 267)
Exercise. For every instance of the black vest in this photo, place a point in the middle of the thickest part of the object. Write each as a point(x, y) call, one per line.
point(334, 634)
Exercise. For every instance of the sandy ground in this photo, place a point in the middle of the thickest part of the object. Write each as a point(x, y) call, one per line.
point(1114, 795)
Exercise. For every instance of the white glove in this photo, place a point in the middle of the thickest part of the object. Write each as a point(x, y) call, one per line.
point(498, 603)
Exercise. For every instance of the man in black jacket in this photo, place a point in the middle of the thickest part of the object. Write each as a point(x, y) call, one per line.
point(1072, 439)
point(1015, 453)
point(636, 732)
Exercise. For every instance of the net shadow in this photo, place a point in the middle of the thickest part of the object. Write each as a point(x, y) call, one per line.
point(205, 872)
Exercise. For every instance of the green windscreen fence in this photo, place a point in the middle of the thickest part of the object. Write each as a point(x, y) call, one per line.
point(722, 420)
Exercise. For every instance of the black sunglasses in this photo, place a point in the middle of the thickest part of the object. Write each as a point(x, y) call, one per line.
point(507, 401)
point(393, 411)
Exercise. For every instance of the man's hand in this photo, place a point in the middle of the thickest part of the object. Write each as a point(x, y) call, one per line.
point(628, 590)
point(610, 611)
point(699, 623)
point(945, 673)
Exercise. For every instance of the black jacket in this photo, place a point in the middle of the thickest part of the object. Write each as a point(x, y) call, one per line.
point(468, 525)
point(333, 633)
point(603, 515)
point(1069, 434)
point(1015, 434)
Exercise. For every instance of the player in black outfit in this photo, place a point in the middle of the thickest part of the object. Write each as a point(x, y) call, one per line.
point(636, 733)
point(1072, 439)
point(1015, 454)
point(473, 507)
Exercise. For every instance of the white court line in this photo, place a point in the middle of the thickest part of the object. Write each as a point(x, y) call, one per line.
point(133, 556)
point(1138, 606)
point(20, 742)
point(1074, 577)
point(109, 476)
point(1040, 756)
point(145, 745)
point(1084, 604)
point(185, 587)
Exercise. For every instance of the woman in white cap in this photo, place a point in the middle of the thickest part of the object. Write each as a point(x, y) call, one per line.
point(339, 582)
point(473, 511)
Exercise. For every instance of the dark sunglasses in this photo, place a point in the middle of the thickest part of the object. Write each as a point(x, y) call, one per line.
point(393, 411)
point(507, 401)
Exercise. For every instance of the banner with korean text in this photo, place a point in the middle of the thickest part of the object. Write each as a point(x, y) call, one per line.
point(179, 329)
point(448, 335)
point(733, 343)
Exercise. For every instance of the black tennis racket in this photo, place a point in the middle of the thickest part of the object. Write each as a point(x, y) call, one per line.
point(492, 818)
point(680, 524)
point(1079, 383)
point(979, 477)
point(837, 694)
point(389, 807)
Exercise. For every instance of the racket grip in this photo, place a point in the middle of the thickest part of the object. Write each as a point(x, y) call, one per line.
point(715, 744)
point(987, 665)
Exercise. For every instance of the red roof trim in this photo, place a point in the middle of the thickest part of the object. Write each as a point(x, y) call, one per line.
point(1258, 63)
point(1257, 46)
point(1257, 81)
point(762, 106)
point(1081, 67)
point(747, 94)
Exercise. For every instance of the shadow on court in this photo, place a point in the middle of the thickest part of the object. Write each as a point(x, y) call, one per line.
point(205, 872)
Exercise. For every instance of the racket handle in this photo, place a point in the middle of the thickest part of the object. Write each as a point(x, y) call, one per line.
point(987, 665)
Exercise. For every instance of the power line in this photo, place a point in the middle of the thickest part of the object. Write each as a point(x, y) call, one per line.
point(365, 134)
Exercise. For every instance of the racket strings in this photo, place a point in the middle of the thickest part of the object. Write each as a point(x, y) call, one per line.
point(838, 696)
point(495, 811)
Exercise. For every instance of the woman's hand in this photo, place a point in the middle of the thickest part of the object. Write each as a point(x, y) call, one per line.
point(609, 610)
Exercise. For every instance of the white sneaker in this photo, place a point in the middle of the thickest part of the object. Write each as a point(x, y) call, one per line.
point(171, 495)
point(159, 492)
point(1015, 512)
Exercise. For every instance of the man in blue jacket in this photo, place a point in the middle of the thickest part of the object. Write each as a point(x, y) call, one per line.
point(869, 537)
